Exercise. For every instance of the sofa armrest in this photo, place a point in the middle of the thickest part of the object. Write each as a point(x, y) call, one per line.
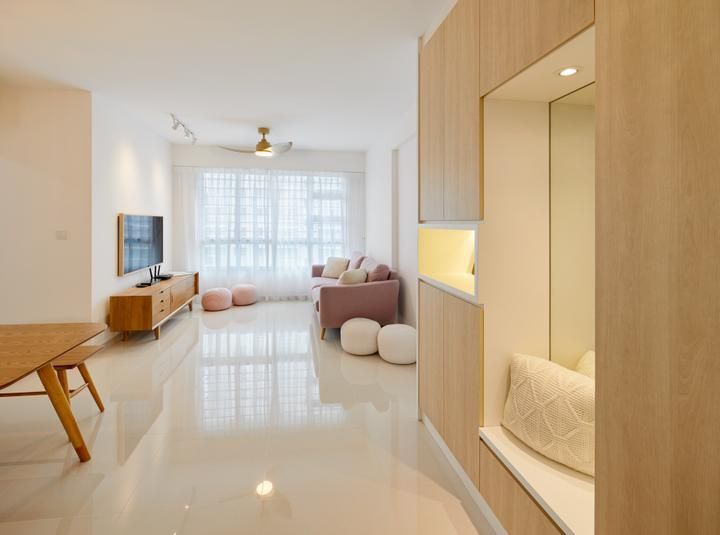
point(317, 270)
point(373, 300)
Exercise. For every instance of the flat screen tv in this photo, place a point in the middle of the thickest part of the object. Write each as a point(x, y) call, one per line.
point(140, 242)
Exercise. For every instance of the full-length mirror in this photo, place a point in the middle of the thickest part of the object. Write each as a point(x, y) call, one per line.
point(572, 227)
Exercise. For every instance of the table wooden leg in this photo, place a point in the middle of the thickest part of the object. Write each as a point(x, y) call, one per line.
point(62, 407)
point(156, 330)
point(62, 377)
point(190, 306)
point(91, 385)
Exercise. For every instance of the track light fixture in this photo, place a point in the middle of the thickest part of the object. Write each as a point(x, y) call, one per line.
point(177, 123)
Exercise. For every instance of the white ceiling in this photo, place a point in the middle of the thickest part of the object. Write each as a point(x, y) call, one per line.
point(327, 74)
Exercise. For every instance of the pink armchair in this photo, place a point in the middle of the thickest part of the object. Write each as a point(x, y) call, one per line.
point(337, 303)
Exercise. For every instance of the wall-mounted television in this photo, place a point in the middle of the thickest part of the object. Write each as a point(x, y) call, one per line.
point(140, 242)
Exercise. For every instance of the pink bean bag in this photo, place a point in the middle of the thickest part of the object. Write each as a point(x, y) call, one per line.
point(244, 294)
point(217, 299)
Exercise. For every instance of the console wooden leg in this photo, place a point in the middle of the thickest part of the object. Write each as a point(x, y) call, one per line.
point(62, 377)
point(62, 407)
point(190, 306)
point(156, 330)
point(125, 336)
point(322, 333)
point(91, 386)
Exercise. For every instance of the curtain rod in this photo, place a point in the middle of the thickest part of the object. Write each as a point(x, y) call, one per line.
point(270, 169)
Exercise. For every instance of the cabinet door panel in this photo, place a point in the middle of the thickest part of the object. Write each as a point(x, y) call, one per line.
point(430, 356)
point(462, 380)
point(432, 126)
point(462, 185)
point(515, 34)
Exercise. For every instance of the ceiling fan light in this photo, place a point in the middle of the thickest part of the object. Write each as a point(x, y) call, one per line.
point(266, 153)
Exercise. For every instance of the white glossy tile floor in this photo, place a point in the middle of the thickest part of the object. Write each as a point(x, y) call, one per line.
point(221, 402)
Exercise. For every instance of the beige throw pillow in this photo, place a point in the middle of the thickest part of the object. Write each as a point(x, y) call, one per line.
point(586, 364)
point(353, 276)
point(552, 410)
point(334, 267)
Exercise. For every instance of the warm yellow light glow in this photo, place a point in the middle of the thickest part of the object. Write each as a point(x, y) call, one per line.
point(265, 488)
point(447, 255)
point(569, 71)
point(264, 153)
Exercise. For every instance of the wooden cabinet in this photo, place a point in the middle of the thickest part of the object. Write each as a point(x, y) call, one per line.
point(462, 177)
point(432, 126)
point(515, 34)
point(462, 380)
point(430, 354)
point(450, 371)
point(450, 121)
point(144, 309)
point(511, 504)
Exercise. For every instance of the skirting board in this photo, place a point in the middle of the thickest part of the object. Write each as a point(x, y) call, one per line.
point(474, 493)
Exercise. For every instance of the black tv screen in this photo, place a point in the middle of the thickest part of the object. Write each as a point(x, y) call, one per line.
point(142, 241)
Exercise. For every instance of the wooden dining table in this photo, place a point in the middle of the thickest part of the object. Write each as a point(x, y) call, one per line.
point(32, 348)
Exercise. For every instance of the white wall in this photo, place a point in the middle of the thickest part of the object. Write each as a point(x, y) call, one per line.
point(295, 160)
point(572, 232)
point(45, 216)
point(513, 242)
point(406, 232)
point(131, 173)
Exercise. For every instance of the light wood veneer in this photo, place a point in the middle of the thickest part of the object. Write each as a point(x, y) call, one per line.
point(658, 252)
point(512, 505)
point(430, 353)
point(515, 34)
point(144, 309)
point(432, 126)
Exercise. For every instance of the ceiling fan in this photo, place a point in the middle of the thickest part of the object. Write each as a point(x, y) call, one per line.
point(264, 148)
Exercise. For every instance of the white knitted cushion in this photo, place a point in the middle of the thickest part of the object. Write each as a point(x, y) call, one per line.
point(552, 410)
point(586, 364)
point(396, 344)
point(334, 267)
point(358, 336)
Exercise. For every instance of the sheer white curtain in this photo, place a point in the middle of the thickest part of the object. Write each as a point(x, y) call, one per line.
point(264, 226)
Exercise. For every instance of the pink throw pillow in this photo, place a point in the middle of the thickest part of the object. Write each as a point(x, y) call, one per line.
point(356, 259)
point(380, 272)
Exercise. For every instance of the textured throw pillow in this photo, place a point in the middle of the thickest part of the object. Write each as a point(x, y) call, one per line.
point(356, 260)
point(334, 267)
point(380, 272)
point(353, 276)
point(586, 364)
point(552, 410)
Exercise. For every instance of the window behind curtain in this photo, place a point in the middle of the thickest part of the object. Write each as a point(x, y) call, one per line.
point(269, 226)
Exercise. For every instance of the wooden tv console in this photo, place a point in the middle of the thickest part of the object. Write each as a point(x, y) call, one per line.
point(145, 309)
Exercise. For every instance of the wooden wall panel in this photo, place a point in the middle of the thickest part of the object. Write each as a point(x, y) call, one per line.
point(516, 33)
point(463, 190)
point(658, 274)
point(432, 126)
point(462, 378)
point(514, 508)
point(430, 353)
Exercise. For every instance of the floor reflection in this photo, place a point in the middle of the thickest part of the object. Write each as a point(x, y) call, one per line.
point(251, 380)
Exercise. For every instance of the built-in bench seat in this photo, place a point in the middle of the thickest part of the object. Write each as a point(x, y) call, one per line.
point(567, 497)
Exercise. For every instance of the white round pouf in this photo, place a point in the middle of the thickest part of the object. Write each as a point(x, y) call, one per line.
point(397, 343)
point(358, 336)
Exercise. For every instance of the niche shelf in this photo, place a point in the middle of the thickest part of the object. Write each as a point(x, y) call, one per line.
point(447, 258)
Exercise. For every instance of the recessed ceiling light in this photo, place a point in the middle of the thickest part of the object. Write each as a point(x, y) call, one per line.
point(569, 71)
point(265, 488)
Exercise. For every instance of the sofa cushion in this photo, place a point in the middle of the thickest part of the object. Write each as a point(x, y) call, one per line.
point(356, 259)
point(335, 266)
point(321, 281)
point(376, 272)
point(353, 276)
point(315, 294)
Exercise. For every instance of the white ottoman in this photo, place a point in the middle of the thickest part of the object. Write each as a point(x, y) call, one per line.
point(358, 336)
point(397, 343)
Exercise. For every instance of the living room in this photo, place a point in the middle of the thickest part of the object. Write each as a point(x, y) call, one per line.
point(341, 267)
